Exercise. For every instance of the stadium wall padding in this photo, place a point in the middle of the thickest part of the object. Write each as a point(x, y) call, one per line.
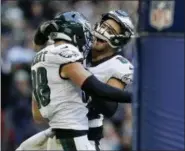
point(159, 85)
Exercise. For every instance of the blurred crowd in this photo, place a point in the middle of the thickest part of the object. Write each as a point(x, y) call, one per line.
point(19, 20)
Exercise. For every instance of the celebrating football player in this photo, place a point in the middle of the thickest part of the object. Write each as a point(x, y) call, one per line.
point(113, 32)
point(58, 75)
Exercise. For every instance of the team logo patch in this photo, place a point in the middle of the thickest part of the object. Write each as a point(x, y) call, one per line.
point(68, 54)
point(162, 14)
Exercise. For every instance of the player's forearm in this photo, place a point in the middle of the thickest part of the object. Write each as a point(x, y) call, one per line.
point(37, 119)
point(104, 106)
point(93, 86)
point(36, 113)
point(107, 108)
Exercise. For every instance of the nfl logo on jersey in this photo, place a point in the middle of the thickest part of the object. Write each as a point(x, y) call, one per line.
point(161, 14)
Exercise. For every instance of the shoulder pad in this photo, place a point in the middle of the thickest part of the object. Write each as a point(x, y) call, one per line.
point(63, 54)
point(66, 50)
point(122, 69)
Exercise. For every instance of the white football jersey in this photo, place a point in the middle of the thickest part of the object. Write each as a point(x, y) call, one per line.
point(59, 100)
point(117, 67)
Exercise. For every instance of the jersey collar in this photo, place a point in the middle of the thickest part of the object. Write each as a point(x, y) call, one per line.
point(95, 63)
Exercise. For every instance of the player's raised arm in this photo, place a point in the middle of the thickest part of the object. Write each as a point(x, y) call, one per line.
point(91, 85)
point(42, 33)
point(104, 106)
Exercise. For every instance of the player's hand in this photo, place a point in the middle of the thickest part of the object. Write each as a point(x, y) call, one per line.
point(47, 27)
point(44, 30)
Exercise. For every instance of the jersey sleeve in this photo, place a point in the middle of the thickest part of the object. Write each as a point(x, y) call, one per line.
point(64, 54)
point(122, 70)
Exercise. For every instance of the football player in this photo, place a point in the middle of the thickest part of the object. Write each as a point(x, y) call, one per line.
point(113, 32)
point(58, 75)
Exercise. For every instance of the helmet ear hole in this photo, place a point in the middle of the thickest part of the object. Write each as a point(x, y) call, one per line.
point(115, 41)
point(119, 40)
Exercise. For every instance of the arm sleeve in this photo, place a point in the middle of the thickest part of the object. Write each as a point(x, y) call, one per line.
point(107, 108)
point(93, 87)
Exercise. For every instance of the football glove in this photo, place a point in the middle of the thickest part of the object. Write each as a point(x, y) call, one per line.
point(44, 30)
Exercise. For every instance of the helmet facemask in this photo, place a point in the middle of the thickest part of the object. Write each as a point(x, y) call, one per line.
point(107, 33)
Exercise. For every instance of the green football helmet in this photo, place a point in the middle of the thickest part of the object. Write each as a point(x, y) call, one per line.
point(73, 27)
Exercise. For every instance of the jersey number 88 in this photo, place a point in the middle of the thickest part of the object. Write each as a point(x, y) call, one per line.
point(40, 86)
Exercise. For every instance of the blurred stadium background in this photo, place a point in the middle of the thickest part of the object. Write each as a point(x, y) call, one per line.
point(19, 20)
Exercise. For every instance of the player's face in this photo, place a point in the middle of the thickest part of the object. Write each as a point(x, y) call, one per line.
point(112, 27)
